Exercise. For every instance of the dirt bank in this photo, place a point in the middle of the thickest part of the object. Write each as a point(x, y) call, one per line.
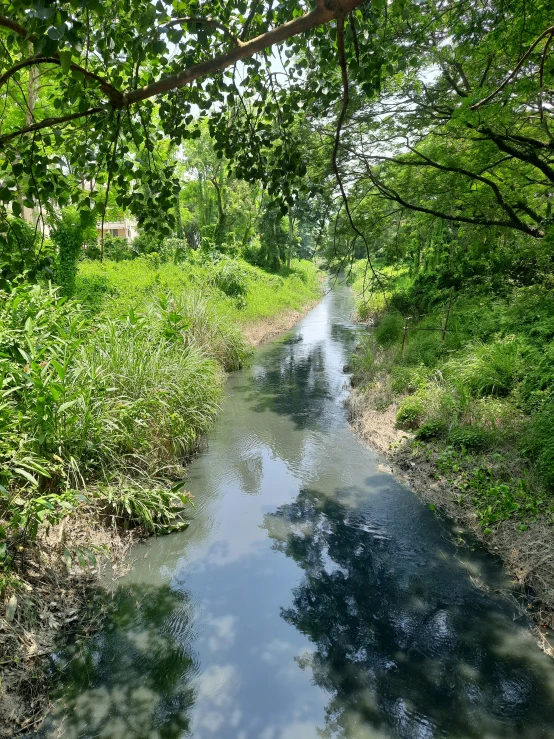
point(258, 332)
point(528, 556)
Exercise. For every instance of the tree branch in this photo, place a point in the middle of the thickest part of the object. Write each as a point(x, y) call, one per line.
point(16, 27)
point(114, 95)
point(548, 32)
point(391, 194)
point(48, 123)
point(317, 17)
point(336, 171)
point(322, 14)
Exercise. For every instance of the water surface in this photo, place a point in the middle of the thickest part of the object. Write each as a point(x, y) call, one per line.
point(312, 596)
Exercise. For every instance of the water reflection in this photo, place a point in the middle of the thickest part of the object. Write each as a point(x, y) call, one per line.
point(420, 655)
point(135, 678)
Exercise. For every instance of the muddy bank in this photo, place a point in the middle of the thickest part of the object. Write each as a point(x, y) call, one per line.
point(258, 332)
point(528, 556)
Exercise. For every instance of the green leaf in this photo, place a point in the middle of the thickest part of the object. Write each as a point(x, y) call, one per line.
point(65, 60)
point(54, 33)
point(26, 475)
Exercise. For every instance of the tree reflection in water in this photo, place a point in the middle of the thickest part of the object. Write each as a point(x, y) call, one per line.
point(135, 678)
point(393, 648)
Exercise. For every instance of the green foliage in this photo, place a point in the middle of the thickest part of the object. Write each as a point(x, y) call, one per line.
point(410, 412)
point(156, 510)
point(487, 369)
point(73, 232)
point(538, 443)
point(230, 278)
point(118, 288)
point(146, 243)
point(118, 249)
point(82, 400)
point(114, 401)
point(24, 253)
point(481, 391)
point(389, 329)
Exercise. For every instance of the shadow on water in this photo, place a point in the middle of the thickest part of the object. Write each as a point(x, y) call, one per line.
point(303, 388)
point(133, 679)
point(422, 654)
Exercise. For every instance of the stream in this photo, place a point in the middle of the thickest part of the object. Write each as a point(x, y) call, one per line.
point(312, 596)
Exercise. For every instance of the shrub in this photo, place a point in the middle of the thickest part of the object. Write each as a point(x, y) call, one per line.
point(23, 253)
point(430, 430)
point(230, 278)
point(146, 243)
point(73, 232)
point(174, 250)
point(469, 437)
point(410, 413)
point(82, 402)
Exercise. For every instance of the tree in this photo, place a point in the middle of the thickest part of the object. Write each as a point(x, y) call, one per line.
point(105, 64)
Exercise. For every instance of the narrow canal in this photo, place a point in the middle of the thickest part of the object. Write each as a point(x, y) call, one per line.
point(312, 596)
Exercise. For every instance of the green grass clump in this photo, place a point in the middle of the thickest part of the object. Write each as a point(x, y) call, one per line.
point(389, 329)
point(410, 413)
point(86, 401)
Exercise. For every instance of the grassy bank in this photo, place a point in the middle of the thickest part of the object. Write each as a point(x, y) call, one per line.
point(465, 389)
point(104, 399)
point(243, 293)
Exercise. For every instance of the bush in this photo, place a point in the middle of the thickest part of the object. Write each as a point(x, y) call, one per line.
point(147, 243)
point(469, 437)
point(174, 250)
point(23, 254)
point(431, 430)
point(73, 232)
point(230, 278)
point(410, 413)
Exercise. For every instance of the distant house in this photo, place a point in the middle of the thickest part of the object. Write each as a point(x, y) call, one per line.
point(125, 229)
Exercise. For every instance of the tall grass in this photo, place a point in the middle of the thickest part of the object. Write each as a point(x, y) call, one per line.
point(108, 397)
point(86, 403)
